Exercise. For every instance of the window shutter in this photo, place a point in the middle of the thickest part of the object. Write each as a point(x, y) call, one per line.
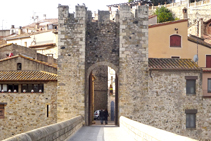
point(208, 61)
point(175, 41)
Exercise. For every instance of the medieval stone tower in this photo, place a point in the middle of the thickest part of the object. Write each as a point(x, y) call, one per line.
point(85, 44)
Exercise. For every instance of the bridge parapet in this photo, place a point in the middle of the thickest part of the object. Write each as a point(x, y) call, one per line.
point(55, 132)
point(140, 131)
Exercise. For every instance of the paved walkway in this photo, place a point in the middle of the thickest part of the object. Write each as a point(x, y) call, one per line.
point(100, 133)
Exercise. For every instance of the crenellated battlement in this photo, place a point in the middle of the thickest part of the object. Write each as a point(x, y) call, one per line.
point(124, 11)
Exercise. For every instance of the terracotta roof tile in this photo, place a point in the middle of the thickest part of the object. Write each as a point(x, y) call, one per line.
point(28, 35)
point(31, 59)
point(47, 45)
point(27, 76)
point(151, 16)
point(172, 64)
point(167, 23)
point(47, 21)
point(198, 40)
point(5, 45)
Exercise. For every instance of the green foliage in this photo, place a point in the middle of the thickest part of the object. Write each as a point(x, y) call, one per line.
point(163, 14)
point(176, 19)
point(130, 0)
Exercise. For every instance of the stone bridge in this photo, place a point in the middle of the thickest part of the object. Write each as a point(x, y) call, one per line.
point(73, 130)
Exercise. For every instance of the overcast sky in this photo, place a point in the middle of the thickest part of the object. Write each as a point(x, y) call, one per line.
point(20, 12)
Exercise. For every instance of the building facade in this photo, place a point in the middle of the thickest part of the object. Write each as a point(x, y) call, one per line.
point(28, 90)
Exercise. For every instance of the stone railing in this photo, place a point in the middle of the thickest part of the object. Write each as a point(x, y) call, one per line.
point(140, 132)
point(55, 132)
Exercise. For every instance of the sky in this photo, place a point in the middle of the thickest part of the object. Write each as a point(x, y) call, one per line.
point(20, 12)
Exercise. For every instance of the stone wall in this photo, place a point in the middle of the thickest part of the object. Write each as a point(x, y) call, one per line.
point(16, 49)
point(26, 64)
point(27, 111)
point(139, 132)
point(133, 65)
point(55, 132)
point(165, 104)
point(100, 87)
point(71, 62)
point(102, 42)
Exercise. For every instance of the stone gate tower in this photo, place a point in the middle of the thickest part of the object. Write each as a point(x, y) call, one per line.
point(84, 44)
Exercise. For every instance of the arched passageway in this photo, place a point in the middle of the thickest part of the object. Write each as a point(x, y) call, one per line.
point(101, 92)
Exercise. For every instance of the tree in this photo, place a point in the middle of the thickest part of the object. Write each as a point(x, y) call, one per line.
point(130, 0)
point(163, 14)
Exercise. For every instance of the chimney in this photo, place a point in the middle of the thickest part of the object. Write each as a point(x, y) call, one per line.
point(201, 27)
point(185, 13)
point(20, 30)
point(37, 26)
point(46, 27)
point(50, 59)
point(44, 16)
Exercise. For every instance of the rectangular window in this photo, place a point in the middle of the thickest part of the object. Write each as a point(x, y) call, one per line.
point(7, 87)
point(35, 87)
point(208, 61)
point(175, 41)
point(209, 85)
point(175, 57)
point(48, 110)
point(190, 86)
point(191, 118)
point(2, 112)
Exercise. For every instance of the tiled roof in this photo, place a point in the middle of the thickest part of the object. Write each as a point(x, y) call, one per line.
point(172, 64)
point(207, 38)
point(4, 45)
point(27, 76)
point(152, 16)
point(48, 45)
point(208, 70)
point(198, 40)
point(31, 59)
point(44, 22)
point(28, 35)
point(167, 23)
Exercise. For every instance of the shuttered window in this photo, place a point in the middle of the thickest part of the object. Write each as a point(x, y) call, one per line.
point(175, 41)
point(208, 61)
point(190, 86)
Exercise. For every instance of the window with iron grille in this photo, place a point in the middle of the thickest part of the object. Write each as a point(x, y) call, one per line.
point(191, 118)
point(175, 41)
point(190, 86)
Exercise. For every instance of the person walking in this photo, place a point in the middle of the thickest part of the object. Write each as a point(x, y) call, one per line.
point(106, 116)
point(101, 116)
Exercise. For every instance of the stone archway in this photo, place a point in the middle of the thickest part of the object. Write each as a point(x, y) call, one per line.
point(87, 88)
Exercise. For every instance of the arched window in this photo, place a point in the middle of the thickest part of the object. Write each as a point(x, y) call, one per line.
point(19, 67)
point(175, 41)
